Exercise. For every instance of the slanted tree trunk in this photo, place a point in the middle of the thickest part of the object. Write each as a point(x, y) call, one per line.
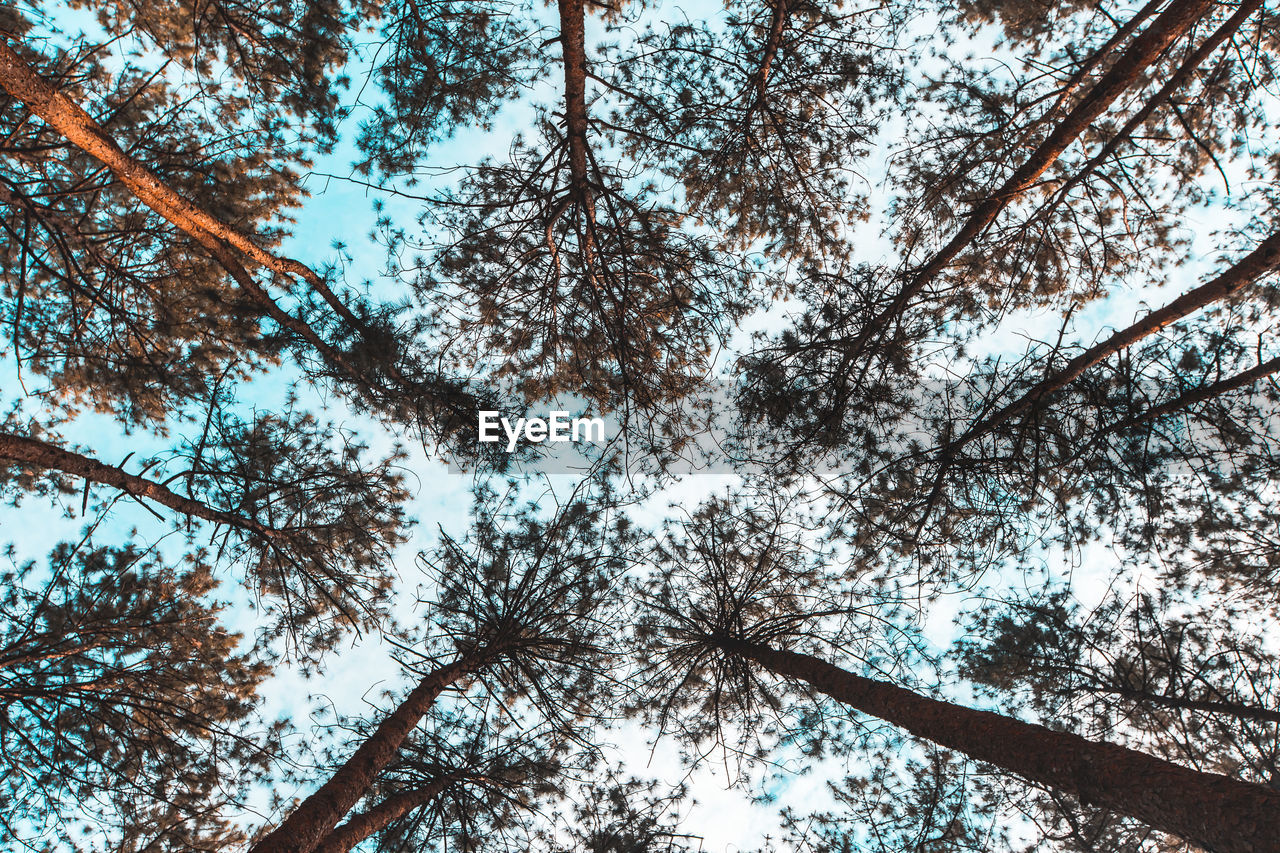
point(1263, 259)
point(1199, 395)
point(772, 44)
point(33, 453)
point(1174, 83)
point(69, 119)
point(365, 824)
point(1229, 709)
point(1169, 26)
point(1216, 812)
point(219, 239)
point(317, 815)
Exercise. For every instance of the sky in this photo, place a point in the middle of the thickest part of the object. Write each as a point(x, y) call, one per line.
point(353, 678)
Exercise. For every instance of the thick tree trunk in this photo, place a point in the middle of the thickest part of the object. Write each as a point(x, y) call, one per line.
point(1171, 24)
point(365, 824)
point(317, 815)
point(78, 126)
point(1216, 812)
point(34, 453)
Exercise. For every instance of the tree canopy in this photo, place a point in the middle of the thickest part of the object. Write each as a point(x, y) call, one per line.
point(488, 426)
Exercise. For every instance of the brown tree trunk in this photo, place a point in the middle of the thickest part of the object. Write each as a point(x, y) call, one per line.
point(79, 127)
point(573, 47)
point(1257, 263)
point(1171, 24)
point(317, 815)
point(34, 453)
point(218, 238)
point(1230, 709)
point(1175, 82)
point(772, 44)
point(365, 824)
point(1213, 811)
point(1199, 395)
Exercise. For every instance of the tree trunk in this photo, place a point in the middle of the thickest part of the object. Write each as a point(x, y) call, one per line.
point(79, 127)
point(1172, 24)
point(317, 815)
point(573, 47)
point(34, 453)
point(1230, 709)
point(1199, 395)
point(773, 42)
point(1175, 82)
point(218, 238)
point(1213, 811)
point(1257, 263)
point(69, 119)
point(365, 824)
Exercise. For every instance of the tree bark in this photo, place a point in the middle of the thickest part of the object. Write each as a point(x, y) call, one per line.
point(1175, 82)
point(317, 815)
point(1170, 25)
point(79, 127)
point(1213, 811)
point(365, 824)
point(772, 44)
point(218, 238)
point(573, 47)
point(69, 119)
point(34, 453)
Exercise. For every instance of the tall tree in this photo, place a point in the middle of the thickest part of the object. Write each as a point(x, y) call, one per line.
point(716, 621)
point(519, 616)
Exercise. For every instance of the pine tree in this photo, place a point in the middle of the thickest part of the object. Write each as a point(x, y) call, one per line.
point(123, 699)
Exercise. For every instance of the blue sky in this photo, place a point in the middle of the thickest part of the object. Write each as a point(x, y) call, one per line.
point(343, 210)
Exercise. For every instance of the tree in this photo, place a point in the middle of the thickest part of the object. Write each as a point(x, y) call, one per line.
point(763, 121)
point(894, 245)
point(717, 616)
point(360, 350)
point(524, 610)
point(123, 698)
point(311, 525)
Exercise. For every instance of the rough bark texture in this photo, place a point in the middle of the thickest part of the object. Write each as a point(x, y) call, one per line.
point(1173, 23)
point(773, 42)
point(1218, 813)
point(318, 814)
point(377, 818)
point(34, 453)
point(573, 47)
point(1257, 263)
